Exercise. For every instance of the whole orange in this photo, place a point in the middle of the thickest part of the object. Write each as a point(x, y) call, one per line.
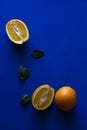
point(65, 98)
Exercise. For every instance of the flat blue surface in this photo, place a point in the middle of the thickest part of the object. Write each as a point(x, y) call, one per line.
point(59, 28)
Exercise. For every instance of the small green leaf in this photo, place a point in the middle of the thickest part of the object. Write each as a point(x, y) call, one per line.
point(25, 100)
point(23, 73)
point(37, 53)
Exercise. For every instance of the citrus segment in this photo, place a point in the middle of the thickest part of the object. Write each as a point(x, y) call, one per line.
point(43, 97)
point(17, 31)
point(65, 98)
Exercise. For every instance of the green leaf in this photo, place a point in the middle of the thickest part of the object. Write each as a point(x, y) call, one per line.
point(25, 100)
point(37, 53)
point(24, 73)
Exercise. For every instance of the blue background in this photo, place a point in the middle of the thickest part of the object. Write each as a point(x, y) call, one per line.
point(59, 28)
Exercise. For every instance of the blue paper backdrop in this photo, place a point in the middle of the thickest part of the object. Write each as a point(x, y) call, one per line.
point(59, 28)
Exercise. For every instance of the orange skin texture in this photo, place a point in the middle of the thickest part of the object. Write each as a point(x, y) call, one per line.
point(65, 98)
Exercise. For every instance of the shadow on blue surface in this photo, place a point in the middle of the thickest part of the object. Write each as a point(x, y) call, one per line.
point(67, 118)
point(64, 120)
point(18, 53)
point(40, 119)
point(20, 49)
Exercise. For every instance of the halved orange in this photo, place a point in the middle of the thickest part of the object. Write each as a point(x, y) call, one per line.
point(17, 31)
point(42, 97)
